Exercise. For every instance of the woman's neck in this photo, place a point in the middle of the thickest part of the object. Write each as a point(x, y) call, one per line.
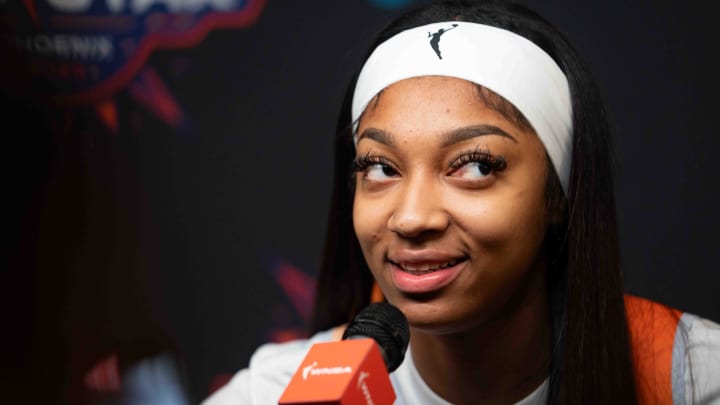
point(499, 362)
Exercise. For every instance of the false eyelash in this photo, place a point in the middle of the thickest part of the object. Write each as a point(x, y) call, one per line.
point(366, 160)
point(484, 157)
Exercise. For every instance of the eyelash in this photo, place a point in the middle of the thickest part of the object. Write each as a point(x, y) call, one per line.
point(492, 163)
point(366, 160)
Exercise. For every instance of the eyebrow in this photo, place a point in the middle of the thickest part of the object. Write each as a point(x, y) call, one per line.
point(449, 138)
point(377, 135)
point(463, 134)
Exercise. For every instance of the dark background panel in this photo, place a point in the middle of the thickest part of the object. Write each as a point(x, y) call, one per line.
point(160, 236)
point(654, 63)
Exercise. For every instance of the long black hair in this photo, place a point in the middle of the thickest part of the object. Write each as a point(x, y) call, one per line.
point(591, 354)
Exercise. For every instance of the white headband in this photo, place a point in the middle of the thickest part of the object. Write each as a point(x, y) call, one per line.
point(504, 62)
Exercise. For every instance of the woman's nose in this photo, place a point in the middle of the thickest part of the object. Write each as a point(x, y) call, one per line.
point(418, 210)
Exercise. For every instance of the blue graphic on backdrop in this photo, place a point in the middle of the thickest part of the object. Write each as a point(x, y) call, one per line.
point(390, 4)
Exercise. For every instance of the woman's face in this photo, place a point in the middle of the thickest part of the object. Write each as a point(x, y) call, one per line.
point(449, 207)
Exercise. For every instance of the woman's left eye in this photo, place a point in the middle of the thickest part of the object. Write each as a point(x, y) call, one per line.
point(476, 165)
point(473, 170)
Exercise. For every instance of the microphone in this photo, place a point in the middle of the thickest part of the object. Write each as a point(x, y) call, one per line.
point(356, 369)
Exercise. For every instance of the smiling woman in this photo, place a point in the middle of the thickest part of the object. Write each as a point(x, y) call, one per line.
point(450, 205)
point(450, 216)
point(473, 190)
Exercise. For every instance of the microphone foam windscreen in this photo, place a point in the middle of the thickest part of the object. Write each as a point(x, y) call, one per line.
point(388, 326)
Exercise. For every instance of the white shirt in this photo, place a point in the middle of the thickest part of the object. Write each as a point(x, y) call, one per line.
point(273, 365)
point(695, 371)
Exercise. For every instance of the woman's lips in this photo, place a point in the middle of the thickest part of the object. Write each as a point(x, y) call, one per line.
point(418, 277)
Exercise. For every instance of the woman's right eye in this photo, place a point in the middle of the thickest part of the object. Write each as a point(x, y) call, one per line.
point(375, 168)
point(379, 171)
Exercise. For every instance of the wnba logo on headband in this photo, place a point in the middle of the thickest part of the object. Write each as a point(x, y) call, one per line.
point(435, 39)
point(506, 63)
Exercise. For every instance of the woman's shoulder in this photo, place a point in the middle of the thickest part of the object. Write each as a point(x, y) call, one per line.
point(676, 354)
point(696, 360)
point(661, 323)
point(270, 369)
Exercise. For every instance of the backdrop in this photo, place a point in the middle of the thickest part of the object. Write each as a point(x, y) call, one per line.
point(167, 168)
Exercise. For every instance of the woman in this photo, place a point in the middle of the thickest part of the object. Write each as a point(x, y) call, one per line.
point(473, 190)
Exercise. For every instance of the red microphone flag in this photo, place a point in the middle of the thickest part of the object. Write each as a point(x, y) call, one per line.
point(347, 372)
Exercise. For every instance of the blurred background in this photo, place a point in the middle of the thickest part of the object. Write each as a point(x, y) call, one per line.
point(167, 169)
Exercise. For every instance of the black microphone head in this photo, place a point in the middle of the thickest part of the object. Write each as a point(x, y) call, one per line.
point(388, 326)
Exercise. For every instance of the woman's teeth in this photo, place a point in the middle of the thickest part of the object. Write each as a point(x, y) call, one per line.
point(427, 268)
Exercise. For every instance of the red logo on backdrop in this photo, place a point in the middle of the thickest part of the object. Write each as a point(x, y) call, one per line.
point(83, 51)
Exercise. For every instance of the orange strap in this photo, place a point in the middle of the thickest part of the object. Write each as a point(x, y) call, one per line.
point(376, 295)
point(652, 331)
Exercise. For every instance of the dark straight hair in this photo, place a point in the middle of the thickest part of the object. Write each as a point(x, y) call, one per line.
point(591, 354)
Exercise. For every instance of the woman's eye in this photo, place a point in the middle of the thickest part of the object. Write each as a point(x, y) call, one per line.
point(375, 168)
point(473, 170)
point(476, 165)
point(379, 171)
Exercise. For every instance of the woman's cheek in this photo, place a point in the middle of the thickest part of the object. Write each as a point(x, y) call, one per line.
point(494, 223)
point(365, 223)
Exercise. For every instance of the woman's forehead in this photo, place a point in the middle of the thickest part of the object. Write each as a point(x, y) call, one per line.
point(438, 96)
